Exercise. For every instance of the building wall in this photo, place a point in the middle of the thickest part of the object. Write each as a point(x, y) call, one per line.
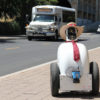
point(88, 11)
point(99, 10)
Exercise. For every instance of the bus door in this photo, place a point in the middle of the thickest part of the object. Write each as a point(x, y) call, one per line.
point(58, 22)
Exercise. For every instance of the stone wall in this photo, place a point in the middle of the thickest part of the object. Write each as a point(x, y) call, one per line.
point(88, 13)
point(87, 9)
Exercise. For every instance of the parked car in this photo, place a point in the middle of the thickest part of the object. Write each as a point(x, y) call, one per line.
point(98, 30)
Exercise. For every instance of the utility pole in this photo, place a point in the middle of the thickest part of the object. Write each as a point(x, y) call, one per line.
point(97, 8)
point(76, 12)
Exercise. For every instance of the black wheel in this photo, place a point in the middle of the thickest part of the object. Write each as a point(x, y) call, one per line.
point(54, 79)
point(94, 70)
point(29, 38)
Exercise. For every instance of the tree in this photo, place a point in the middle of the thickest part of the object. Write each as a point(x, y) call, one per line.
point(64, 3)
point(25, 7)
point(8, 8)
point(20, 8)
point(47, 2)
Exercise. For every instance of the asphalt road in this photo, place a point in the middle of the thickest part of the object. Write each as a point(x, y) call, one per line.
point(18, 53)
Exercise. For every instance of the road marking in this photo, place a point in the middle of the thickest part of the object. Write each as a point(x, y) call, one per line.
point(46, 43)
point(13, 48)
point(35, 67)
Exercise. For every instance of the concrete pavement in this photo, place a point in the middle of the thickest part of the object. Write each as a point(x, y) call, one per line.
point(12, 37)
point(34, 83)
point(24, 36)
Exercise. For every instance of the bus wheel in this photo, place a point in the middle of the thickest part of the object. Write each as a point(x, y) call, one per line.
point(29, 38)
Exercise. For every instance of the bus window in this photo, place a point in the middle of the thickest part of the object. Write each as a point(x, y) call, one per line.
point(44, 18)
point(68, 16)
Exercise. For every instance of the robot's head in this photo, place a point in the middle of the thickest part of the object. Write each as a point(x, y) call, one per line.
point(70, 31)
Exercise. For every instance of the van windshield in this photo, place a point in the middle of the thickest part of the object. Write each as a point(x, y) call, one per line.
point(44, 18)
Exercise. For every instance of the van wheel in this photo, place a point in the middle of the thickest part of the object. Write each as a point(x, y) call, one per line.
point(94, 70)
point(29, 38)
point(54, 79)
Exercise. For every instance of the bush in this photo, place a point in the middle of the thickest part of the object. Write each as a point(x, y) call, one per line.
point(10, 28)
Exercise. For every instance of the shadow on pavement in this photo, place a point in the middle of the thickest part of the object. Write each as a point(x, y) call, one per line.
point(10, 39)
point(82, 40)
point(78, 95)
point(48, 40)
point(59, 40)
point(6, 41)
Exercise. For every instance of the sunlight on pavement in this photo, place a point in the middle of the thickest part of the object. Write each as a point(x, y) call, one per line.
point(13, 48)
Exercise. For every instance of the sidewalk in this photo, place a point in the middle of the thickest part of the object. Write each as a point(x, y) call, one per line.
point(34, 84)
point(13, 37)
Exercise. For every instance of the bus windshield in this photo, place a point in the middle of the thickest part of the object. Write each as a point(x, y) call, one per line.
point(44, 18)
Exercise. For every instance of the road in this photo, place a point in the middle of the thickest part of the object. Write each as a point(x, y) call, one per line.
point(19, 53)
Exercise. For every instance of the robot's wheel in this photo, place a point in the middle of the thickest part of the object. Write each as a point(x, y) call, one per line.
point(54, 79)
point(94, 70)
point(29, 38)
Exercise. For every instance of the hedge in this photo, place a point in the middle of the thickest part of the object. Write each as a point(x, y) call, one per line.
point(10, 28)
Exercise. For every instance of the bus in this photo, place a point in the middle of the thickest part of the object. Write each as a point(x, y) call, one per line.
point(47, 19)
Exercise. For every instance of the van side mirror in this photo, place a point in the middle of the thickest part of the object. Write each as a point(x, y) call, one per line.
point(27, 19)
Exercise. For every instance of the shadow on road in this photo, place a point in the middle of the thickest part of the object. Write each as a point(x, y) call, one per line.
point(82, 40)
point(6, 41)
point(48, 40)
point(78, 95)
point(59, 40)
point(11, 39)
point(98, 33)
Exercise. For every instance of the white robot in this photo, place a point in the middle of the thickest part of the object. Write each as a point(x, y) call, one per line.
point(73, 72)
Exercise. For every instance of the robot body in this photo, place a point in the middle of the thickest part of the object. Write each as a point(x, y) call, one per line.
point(73, 72)
point(66, 62)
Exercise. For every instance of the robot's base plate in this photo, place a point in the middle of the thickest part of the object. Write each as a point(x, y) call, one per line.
point(85, 84)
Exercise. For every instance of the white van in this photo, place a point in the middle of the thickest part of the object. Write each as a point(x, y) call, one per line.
point(47, 20)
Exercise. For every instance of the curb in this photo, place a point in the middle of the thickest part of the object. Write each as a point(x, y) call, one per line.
point(12, 37)
point(36, 67)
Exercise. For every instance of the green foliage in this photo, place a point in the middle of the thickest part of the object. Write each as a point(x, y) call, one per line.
point(25, 7)
point(19, 8)
point(64, 3)
point(8, 8)
point(9, 28)
point(46, 2)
